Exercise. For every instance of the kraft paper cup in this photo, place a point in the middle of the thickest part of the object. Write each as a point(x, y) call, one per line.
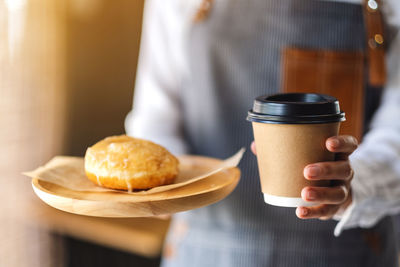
point(290, 131)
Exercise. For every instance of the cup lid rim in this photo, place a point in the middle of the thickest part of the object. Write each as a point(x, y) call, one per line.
point(296, 108)
point(262, 118)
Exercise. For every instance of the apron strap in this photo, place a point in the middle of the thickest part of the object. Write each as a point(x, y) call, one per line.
point(203, 11)
point(375, 42)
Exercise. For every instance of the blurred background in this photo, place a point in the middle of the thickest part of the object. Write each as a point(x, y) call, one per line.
point(67, 71)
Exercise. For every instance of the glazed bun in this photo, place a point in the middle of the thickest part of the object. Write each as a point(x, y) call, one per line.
point(127, 163)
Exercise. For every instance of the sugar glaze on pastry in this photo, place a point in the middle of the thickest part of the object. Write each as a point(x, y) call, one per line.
point(127, 163)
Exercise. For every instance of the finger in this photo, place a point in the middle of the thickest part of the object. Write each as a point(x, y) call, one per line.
point(323, 212)
point(163, 216)
point(325, 195)
point(342, 144)
point(253, 148)
point(330, 170)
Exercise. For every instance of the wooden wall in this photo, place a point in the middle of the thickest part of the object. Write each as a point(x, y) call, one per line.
point(102, 44)
point(67, 71)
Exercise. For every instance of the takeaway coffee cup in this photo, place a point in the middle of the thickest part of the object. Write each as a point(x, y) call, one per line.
point(290, 131)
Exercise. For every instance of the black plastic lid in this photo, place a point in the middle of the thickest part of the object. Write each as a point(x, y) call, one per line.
point(296, 108)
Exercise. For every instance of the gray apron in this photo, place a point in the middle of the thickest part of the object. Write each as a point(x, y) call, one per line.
point(234, 57)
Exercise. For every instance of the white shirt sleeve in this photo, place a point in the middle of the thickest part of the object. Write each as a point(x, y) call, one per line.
point(156, 113)
point(376, 163)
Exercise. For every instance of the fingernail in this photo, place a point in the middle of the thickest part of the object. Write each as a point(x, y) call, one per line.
point(313, 171)
point(303, 211)
point(334, 142)
point(311, 195)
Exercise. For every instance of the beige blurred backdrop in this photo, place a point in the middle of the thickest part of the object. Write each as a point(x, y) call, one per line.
point(67, 71)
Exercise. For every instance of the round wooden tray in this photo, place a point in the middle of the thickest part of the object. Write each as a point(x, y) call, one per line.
point(117, 204)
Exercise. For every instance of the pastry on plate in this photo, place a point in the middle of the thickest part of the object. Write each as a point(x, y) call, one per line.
point(127, 163)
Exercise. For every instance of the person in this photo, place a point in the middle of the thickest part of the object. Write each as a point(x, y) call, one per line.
point(196, 81)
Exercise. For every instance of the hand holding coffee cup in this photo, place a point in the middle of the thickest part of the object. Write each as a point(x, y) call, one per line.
point(338, 197)
point(296, 137)
point(330, 200)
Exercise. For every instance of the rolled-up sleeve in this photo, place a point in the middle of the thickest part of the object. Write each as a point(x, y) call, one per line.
point(376, 163)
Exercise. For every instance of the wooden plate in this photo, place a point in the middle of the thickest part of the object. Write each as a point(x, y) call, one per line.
point(115, 204)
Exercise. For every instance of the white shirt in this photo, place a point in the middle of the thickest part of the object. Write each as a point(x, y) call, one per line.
point(376, 163)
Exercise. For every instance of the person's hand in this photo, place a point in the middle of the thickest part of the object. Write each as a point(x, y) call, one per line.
point(330, 199)
point(163, 216)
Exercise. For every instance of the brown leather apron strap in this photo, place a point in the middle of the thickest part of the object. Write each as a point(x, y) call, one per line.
point(375, 42)
point(203, 10)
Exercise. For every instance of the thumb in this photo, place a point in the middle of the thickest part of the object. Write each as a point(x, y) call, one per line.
point(253, 148)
